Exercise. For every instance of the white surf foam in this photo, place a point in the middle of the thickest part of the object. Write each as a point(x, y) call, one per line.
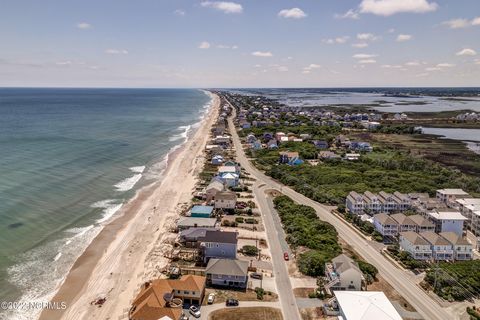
point(183, 135)
point(138, 169)
point(128, 183)
point(109, 206)
point(39, 272)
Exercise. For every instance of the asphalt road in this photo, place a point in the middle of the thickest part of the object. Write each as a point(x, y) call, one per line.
point(275, 238)
point(425, 306)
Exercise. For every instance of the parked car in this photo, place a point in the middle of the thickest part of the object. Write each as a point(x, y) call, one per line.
point(211, 298)
point(231, 303)
point(256, 275)
point(285, 256)
point(194, 311)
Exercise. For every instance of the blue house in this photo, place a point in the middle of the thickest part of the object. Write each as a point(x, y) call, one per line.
point(267, 136)
point(256, 145)
point(295, 162)
point(201, 211)
point(320, 144)
point(218, 244)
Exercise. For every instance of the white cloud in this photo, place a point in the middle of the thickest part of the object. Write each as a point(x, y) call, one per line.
point(294, 13)
point(363, 56)
point(477, 61)
point(391, 30)
point(84, 25)
point(264, 54)
point(350, 14)
point(116, 51)
point(204, 45)
point(226, 7)
point(476, 21)
point(367, 37)
point(433, 69)
point(338, 40)
point(224, 46)
point(389, 66)
point(466, 52)
point(179, 12)
point(367, 61)
point(64, 63)
point(457, 23)
point(391, 7)
point(360, 45)
point(445, 65)
point(282, 68)
point(403, 37)
point(306, 71)
point(412, 63)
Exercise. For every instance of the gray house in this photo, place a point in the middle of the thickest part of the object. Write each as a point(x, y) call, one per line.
point(218, 244)
point(227, 273)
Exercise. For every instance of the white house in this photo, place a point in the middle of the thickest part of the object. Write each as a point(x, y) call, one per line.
point(448, 196)
point(355, 203)
point(461, 247)
point(365, 305)
point(343, 274)
point(447, 220)
point(441, 248)
point(417, 246)
point(385, 224)
point(225, 200)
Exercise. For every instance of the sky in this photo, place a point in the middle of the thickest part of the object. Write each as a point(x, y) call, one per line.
point(241, 43)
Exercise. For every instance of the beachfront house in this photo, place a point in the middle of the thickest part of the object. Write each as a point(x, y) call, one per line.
point(162, 298)
point(217, 160)
point(414, 244)
point(190, 222)
point(343, 273)
point(231, 273)
point(201, 211)
point(215, 186)
point(225, 200)
point(230, 179)
point(218, 244)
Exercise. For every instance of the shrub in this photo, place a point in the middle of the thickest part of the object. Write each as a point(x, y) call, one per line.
point(260, 292)
point(251, 221)
point(250, 250)
point(239, 220)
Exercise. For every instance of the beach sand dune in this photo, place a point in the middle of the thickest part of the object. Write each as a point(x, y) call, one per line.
point(130, 250)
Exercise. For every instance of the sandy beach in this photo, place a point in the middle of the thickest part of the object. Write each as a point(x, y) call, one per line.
point(129, 250)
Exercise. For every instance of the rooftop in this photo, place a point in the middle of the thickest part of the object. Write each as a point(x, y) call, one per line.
point(448, 214)
point(219, 236)
point(202, 209)
point(232, 267)
point(366, 305)
point(456, 192)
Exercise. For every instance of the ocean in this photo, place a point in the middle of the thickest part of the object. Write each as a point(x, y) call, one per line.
point(69, 160)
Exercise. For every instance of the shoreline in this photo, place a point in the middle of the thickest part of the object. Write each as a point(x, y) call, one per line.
point(111, 264)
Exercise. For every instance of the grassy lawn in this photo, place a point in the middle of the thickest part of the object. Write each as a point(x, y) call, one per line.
point(257, 313)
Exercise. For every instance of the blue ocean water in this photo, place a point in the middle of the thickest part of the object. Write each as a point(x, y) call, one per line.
point(69, 159)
